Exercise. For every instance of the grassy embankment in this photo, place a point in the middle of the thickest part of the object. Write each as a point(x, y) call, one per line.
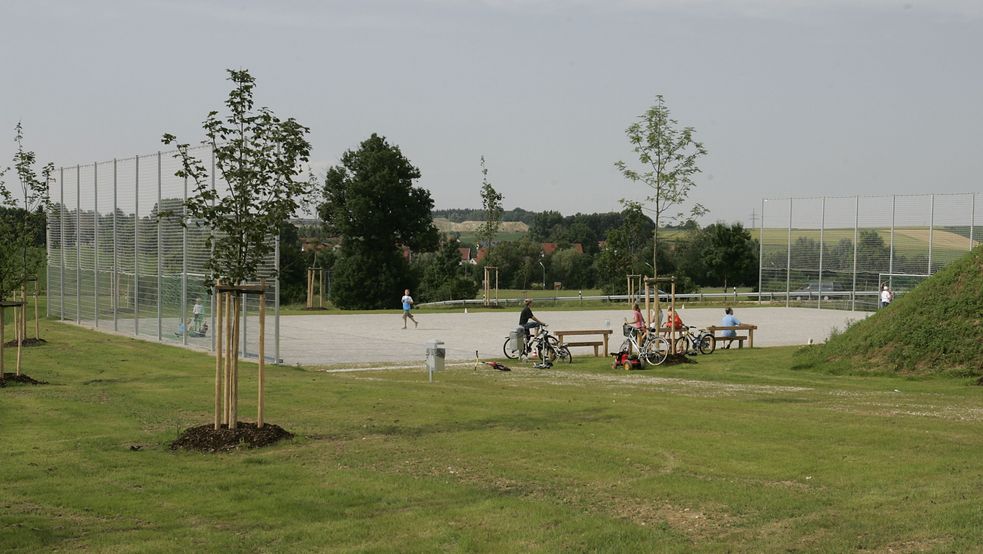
point(936, 327)
point(737, 452)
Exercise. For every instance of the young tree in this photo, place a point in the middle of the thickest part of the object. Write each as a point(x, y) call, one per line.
point(491, 203)
point(371, 203)
point(441, 275)
point(669, 157)
point(22, 211)
point(259, 156)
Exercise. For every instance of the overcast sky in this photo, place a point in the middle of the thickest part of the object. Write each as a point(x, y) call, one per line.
point(790, 97)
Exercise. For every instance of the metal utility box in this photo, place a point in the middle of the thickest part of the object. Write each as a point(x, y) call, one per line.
point(435, 355)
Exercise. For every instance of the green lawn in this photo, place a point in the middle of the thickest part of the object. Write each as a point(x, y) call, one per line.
point(736, 453)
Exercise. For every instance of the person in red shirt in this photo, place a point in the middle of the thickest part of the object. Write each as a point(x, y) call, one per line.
point(672, 320)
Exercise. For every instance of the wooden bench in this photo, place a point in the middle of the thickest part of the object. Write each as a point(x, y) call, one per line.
point(749, 337)
point(604, 333)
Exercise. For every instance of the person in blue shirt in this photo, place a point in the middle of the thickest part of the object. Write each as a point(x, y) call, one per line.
point(729, 321)
point(407, 301)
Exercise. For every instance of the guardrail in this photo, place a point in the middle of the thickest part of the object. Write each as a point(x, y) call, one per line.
point(769, 297)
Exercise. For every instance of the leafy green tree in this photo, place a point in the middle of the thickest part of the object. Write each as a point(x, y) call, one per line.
point(545, 225)
point(22, 210)
point(669, 157)
point(722, 255)
point(441, 275)
point(491, 203)
point(259, 156)
point(293, 265)
point(371, 203)
point(572, 268)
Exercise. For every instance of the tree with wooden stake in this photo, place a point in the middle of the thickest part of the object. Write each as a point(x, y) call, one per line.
point(259, 156)
point(24, 208)
point(669, 158)
point(11, 277)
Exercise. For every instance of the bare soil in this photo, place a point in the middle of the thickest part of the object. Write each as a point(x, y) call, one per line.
point(25, 343)
point(22, 378)
point(204, 438)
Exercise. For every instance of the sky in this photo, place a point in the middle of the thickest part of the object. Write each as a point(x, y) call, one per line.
point(798, 98)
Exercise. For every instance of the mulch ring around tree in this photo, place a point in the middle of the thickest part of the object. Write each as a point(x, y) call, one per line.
point(204, 438)
point(9, 378)
point(25, 343)
point(676, 359)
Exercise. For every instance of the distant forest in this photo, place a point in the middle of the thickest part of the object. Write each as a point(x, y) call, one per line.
point(459, 215)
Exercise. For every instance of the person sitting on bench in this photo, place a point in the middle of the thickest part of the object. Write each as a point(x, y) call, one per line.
point(729, 321)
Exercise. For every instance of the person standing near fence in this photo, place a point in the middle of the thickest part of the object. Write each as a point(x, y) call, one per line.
point(197, 315)
point(407, 301)
point(887, 295)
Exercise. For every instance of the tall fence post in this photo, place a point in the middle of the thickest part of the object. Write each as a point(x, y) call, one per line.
point(931, 232)
point(184, 263)
point(95, 242)
point(160, 258)
point(276, 302)
point(136, 249)
point(78, 243)
point(61, 243)
point(822, 239)
point(761, 252)
point(890, 262)
point(115, 284)
point(788, 261)
point(972, 218)
point(856, 230)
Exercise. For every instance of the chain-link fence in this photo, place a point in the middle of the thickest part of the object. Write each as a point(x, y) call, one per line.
point(837, 252)
point(124, 257)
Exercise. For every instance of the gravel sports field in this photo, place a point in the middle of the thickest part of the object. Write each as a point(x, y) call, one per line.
point(369, 338)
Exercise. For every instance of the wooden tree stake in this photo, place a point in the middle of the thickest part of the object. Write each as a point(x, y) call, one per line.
point(218, 361)
point(37, 317)
point(228, 357)
point(262, 355)
point(3, 320)
point(234, 413)
point(20, 316)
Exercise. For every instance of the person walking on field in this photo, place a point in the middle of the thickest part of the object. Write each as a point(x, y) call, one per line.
point(407, 306)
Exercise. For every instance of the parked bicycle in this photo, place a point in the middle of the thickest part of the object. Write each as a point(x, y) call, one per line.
point(695, 340)
point(652, 349)
point(542, 345)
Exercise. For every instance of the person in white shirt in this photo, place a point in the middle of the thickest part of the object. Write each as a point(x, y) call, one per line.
point(887, 295)
point(197, 313)
point(407, 301)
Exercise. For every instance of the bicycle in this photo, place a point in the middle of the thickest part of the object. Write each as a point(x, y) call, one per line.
point(695, 340)
point(652, 350)
point(546, 346)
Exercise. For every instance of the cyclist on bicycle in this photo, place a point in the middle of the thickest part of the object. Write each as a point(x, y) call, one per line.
point(526, 319)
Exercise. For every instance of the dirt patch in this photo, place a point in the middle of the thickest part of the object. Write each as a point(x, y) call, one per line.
point(204, 438)
point(22, 378)
point(25, 343)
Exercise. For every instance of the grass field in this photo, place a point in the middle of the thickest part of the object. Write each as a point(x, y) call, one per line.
point(736, 453)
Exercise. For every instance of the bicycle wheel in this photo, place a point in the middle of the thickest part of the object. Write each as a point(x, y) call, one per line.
point(707, 344)
point(508, 351)
point(563, 353)
point(656, 351)
point(681, 346)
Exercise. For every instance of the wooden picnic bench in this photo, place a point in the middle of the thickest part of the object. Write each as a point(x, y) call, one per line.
point(749, 337)
point(604, 333)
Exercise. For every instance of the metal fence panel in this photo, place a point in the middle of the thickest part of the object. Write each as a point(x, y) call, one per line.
point(837, 251)
point(123, 255)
